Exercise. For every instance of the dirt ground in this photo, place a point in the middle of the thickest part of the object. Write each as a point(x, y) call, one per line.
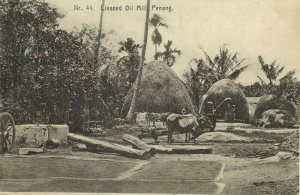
point(233, 168)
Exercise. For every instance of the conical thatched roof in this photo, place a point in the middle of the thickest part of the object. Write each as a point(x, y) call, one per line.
point(160, 91)
point(268, 102)
point(226, 88)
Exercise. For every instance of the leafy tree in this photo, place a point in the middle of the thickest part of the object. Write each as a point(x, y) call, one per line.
point(156, 21)
point(168, 55)
point(254, 90)
point(45, 68)
point(24, 57)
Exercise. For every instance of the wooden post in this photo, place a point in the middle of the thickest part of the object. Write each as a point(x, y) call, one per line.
point(110, 147)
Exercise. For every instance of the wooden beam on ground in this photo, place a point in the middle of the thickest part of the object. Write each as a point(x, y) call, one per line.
point(182, 149)
point(138, 144)
point(191, 149)
point(110, 147)
point(162, 149)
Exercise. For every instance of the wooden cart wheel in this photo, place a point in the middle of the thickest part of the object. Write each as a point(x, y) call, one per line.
point(7, 132)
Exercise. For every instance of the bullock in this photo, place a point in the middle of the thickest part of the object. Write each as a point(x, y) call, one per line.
point(163, 118)
point(187, 124)
point(151, 117)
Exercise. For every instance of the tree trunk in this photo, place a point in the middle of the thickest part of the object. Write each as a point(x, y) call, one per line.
point(110, 147)
point(155, 52)
point(129, 117)
point(138, 144)
point(98, 42)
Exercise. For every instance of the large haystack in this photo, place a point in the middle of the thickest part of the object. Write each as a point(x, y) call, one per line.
point(226, 88)
point(268, 102)
point(160, 91)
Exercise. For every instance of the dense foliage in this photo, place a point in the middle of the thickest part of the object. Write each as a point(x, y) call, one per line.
point(47, 73)
point(204, 72)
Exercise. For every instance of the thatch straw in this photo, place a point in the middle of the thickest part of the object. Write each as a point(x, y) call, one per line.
point(160, 91)
point(268, 102)
point(226, 88)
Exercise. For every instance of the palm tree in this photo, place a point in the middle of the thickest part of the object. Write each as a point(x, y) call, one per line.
point(129, 46)
point(156, 21)
point(197, 82)
point(129, 117)
point(130, 62)
point(168, 55)
point(210, 70)
point(98, 42)
point(273, 71)
point(224, 65)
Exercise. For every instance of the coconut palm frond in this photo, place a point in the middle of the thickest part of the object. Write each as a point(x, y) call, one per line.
point(261, 61)
point(280, 70)
point(156, 37)
point(163, 24)
point(208, 58)
point(262, 82)
point(273, 63)
point(236, 66)
point(155, 20)
point(236, 73)
point(289, 75)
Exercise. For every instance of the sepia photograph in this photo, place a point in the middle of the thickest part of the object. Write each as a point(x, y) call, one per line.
point(149, 97)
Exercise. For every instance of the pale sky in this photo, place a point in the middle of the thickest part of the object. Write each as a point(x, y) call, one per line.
point(270, 28)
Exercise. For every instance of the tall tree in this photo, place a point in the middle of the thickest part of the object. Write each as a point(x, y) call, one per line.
point(210, 70)
point(129, 64)
point(129, 117)
point(156, 21)
point(224, 65)
point(273, 71)
point(196, 81)
point(98, 41)
point(168, 55)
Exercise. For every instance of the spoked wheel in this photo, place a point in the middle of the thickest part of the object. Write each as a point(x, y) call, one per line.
point(7, 132)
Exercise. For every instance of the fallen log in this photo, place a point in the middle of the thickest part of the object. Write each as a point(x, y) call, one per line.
point(27, 151)
point(138, 144)
point(110, 147)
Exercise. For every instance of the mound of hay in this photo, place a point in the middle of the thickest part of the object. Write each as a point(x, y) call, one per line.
point(222, 137)
point(276, 118)
point(160, 91)
point(226, 88)
point(268, 102)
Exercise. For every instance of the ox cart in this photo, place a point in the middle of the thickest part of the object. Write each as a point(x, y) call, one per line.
point(7, 132)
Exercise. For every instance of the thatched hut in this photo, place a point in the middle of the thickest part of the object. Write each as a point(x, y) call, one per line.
point(226, 88)
point(268, 102)
point(160, 91)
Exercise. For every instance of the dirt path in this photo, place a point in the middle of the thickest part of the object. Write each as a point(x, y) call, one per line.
point(200, 174)
point(98, 175)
